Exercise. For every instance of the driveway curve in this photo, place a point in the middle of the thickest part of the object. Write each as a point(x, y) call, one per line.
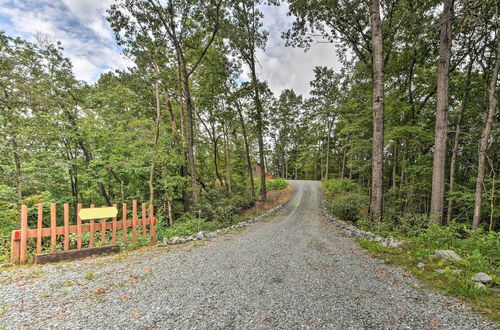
point(294, 271)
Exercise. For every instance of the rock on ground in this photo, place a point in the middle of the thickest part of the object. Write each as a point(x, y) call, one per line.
point(447, 254)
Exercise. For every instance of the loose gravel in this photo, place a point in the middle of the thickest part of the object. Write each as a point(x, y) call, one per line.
point(295, 271)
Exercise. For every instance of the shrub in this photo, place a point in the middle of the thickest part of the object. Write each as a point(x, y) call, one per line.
point(351, 206)
point(341, 186)
point(276, 184)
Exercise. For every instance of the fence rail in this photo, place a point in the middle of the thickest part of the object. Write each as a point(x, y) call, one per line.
point(19, 238)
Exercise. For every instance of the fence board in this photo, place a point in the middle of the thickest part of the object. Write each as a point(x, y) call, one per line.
point(152, 228)
point(24, 232)
point(113, 232)
point(32, 233)
point(124, 222)
point(39, 228)
point(134, 221)
point(15, 246)
point(53, 225)
point(144, 223)
point(92, 230)
point(66, 224)
point(78, 227)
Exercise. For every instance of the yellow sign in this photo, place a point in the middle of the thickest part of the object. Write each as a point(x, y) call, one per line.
point(98, 213)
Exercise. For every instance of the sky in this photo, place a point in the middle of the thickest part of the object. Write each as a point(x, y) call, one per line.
point(87, 39)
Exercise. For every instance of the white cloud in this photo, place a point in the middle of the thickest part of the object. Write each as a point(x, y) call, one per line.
point(287, 67)
point(80, 26)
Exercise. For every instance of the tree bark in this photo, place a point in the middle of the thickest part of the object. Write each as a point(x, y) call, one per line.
point(247, 149)
point(344, 160)
point(17, 161)
point(456, 139)
point(260, 129)
point(377, 180)
point(327, 160)
point(228, 161)
point(439, 161)
point(155, 148)
point(485, 135)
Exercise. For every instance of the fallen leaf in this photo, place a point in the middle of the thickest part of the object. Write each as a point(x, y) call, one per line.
point(212, 308)
point(434, 322)
point(100, 291)
point(406, 274)
point(123, 298)
point(268, 319)
point(311, 321)
point(136, 314)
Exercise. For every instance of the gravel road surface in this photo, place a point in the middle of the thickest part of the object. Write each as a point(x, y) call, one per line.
point(294, 271)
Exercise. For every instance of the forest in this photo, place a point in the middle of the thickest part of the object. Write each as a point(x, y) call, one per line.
point(411, 118)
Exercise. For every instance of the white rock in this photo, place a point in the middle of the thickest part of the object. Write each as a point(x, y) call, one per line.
point(200, 235)
point(174, 240)
point(479, 285)
point(447, 254)
point(394, 243)
point(440, 271)
point(421, 265)
point(482, 278)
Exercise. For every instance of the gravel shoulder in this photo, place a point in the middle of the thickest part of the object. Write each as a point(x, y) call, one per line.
point(295, 271)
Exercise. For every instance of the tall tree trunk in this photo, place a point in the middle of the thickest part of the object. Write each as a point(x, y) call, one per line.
point(155, 148)
point(216, 162)
point(456, 139)
point(394, 167)
point(260, 129)
point(344, 159)
point(17, 161)
point(228, 161)
point(327, 161)
point(247, 149)
point(485, 135)
point(377, 179)
point(191, 132)
point(439, 162)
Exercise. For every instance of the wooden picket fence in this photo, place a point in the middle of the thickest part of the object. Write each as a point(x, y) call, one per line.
point(19, 238)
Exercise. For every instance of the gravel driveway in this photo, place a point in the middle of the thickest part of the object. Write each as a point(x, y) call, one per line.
point(294, 271)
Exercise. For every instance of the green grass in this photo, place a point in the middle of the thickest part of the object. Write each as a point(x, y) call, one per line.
point(89, 276)
point(484, 301)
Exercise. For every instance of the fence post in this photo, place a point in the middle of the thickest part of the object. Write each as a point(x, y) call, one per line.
point(134, 221)
point(144, 220)
point(103, 231)
point(39, 229)
point(113, 232)
point(124, 219)
point(91, 241)
point(53, 225)
point(152, 224)
point(15, 246)
point(78, 227)
point(24, 233)
point(66, 226)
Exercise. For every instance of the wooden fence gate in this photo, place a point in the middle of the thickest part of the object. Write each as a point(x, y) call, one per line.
point(19, 238)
